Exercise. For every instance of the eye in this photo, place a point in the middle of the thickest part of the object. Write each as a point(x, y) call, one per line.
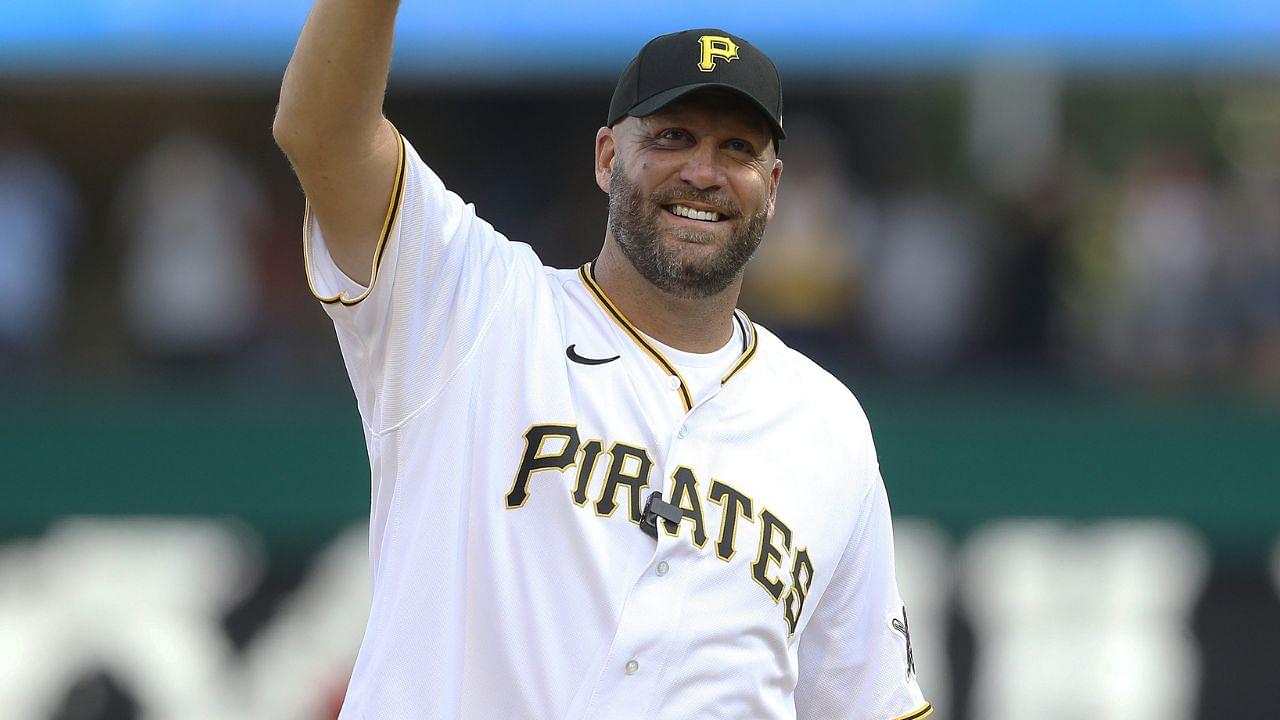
point(674, 136)
point(741, 146)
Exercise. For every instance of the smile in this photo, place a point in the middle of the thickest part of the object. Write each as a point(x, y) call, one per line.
point(685, 211)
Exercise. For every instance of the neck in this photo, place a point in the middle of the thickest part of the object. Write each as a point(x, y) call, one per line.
point(698, 325)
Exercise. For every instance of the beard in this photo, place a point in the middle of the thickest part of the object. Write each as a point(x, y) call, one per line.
point(634, 222)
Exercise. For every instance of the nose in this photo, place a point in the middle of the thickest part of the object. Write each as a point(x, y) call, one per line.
point(702, 170)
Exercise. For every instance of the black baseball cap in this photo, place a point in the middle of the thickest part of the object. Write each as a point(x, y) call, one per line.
point(671, 66)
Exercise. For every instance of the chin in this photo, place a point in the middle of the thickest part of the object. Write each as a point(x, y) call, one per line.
point(687, 238)
point(698, 261)
point(693, 254)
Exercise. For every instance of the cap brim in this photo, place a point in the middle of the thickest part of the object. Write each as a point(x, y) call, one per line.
point(653, 104)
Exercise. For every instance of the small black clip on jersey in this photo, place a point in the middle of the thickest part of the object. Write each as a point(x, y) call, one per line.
point(654, 508)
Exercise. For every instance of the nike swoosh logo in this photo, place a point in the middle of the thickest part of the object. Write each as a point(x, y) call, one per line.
point(574, 356)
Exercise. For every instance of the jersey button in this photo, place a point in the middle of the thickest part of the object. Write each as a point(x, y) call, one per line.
point(632, 667)
point(663, 568)
point(673, 382)
point(684, 432)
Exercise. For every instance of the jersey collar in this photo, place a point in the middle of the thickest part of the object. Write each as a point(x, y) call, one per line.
point(588, 275)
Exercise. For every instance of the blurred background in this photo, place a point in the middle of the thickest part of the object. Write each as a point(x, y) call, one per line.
point(1039, 240)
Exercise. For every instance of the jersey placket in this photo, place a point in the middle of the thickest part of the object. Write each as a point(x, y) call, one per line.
point(653, 611)
point(627, 684)
point(639, 655)
point(639, 652)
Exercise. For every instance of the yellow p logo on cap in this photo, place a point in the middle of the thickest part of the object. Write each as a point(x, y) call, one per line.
point(716, 46)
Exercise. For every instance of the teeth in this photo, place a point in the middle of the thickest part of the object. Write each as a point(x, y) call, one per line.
point(692, 214)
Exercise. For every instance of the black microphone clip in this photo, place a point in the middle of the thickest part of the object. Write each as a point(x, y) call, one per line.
point(654, 508)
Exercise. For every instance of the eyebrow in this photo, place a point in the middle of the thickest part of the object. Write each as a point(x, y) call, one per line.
point(745, 131)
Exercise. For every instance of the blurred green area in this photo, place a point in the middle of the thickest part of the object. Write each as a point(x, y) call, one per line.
point(290, 462)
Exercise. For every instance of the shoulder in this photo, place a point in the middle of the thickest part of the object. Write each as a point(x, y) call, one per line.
point(561, 277)
point(807, 389)
point(799, 375)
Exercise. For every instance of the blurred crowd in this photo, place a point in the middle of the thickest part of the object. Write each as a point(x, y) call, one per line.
point(1011, 222)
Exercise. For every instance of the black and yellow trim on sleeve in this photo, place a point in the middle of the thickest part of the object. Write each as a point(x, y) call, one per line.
point(393, 208)
point(920, 714)
point(587, 274)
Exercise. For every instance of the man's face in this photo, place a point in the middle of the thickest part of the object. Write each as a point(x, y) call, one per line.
point(691, 189)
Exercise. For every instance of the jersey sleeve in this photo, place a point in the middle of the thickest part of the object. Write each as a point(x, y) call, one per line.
point(439, 276)
point(855, 658)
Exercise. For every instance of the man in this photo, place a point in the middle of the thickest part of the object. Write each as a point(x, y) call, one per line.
point(601, 492)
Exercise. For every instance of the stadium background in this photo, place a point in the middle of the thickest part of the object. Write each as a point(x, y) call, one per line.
point(1040, 241)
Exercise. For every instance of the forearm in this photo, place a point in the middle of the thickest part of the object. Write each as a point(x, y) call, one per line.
point(331, 97)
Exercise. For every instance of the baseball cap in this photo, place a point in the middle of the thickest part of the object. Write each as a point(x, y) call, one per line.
point(671, 66)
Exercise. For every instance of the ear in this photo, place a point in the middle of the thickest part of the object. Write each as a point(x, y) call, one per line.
point(775, 177)
point(606, 148)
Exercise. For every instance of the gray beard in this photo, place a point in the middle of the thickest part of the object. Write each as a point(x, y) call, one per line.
point(635, 228)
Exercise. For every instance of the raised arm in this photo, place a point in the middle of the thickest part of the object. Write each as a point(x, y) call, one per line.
point(330, 124)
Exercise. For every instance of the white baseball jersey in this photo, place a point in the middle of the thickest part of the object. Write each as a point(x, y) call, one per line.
point(517, 424)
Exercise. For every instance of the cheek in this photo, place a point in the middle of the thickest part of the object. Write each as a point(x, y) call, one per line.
point(759, 192)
